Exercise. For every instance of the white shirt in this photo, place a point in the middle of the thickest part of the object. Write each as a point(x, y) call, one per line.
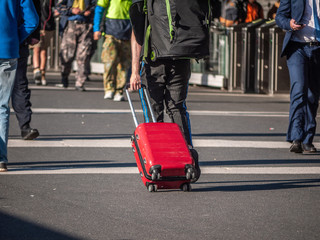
point(307, 34)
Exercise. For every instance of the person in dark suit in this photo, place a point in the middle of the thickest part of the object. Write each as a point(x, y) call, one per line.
point(301, 46)
point(21, 93)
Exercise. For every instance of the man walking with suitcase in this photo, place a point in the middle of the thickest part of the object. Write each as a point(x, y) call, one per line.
point(167, 73)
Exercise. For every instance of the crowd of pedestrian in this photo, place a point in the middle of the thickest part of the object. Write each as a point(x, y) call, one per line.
point(83, 22)
point(233, 12)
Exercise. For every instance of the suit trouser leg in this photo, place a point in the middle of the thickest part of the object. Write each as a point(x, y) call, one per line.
point(21, 93)
point(313, 95)
point(304, 69)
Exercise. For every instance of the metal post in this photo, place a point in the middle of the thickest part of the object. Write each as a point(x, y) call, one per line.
point(57, 46)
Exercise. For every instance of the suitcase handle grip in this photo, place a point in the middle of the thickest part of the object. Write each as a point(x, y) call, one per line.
point(143, 105)
point(142, 92)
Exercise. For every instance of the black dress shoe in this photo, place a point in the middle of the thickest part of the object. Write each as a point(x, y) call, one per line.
point(29, 133)
point(296, 147)
point(308, 148)
point(3, 167)
point(65, 82)
point(80, 89)
point(195, 157)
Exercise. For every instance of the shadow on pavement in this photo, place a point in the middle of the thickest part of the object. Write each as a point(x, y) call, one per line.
point(77, 136)
point(190, 100)
point(261, 185)
point(51, 165)
point(239, 135)
point(262, 161)
point(14, 228)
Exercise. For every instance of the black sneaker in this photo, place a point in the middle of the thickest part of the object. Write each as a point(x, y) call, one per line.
point(195, 157)
point(296, 147)
point(3, 167)
point(29, 133)
point(308, 148)
point(65, 82)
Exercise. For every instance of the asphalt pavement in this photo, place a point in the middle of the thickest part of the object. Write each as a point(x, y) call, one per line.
point(78, 179)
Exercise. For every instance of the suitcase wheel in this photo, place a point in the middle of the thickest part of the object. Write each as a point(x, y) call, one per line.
point(155, 172)
point(152, 187)
point(155, 176)
point(190, 174)
point(186, 187)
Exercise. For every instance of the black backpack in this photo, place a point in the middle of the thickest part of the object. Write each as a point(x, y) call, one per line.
point(173, 29)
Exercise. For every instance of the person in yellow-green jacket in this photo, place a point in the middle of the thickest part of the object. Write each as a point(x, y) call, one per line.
point(116, 53)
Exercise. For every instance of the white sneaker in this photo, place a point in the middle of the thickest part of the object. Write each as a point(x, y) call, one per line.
point(37, 76)
point(108, 95)
point(118, 97)
point(43, 78)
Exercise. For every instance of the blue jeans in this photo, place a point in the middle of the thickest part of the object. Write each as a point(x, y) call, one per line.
point(304, 68)
point(8, 69)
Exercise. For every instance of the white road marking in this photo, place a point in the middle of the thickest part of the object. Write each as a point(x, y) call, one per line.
point(125, 143)
point(127, 111)
point(195, 93)
point(260, 170)
point(134, 170)
point(111, 143)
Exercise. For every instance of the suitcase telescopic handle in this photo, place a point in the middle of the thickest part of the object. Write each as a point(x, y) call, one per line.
point(142, 92)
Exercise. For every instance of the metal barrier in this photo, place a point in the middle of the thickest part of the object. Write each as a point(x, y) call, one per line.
point(279, 79)
point(234, 34)
point(249, 55)
point(261, 81)
point(214, 70)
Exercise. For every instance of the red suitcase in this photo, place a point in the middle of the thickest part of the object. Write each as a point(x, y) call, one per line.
point(162, 155)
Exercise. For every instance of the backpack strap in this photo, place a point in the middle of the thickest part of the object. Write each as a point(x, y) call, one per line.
point(146, 43)
point(146, 33)
point(171, 12)
point(145, 7)
point(210, 13)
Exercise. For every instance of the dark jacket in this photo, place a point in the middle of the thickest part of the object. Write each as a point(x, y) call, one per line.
point(36, 33)
point(289, 9)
